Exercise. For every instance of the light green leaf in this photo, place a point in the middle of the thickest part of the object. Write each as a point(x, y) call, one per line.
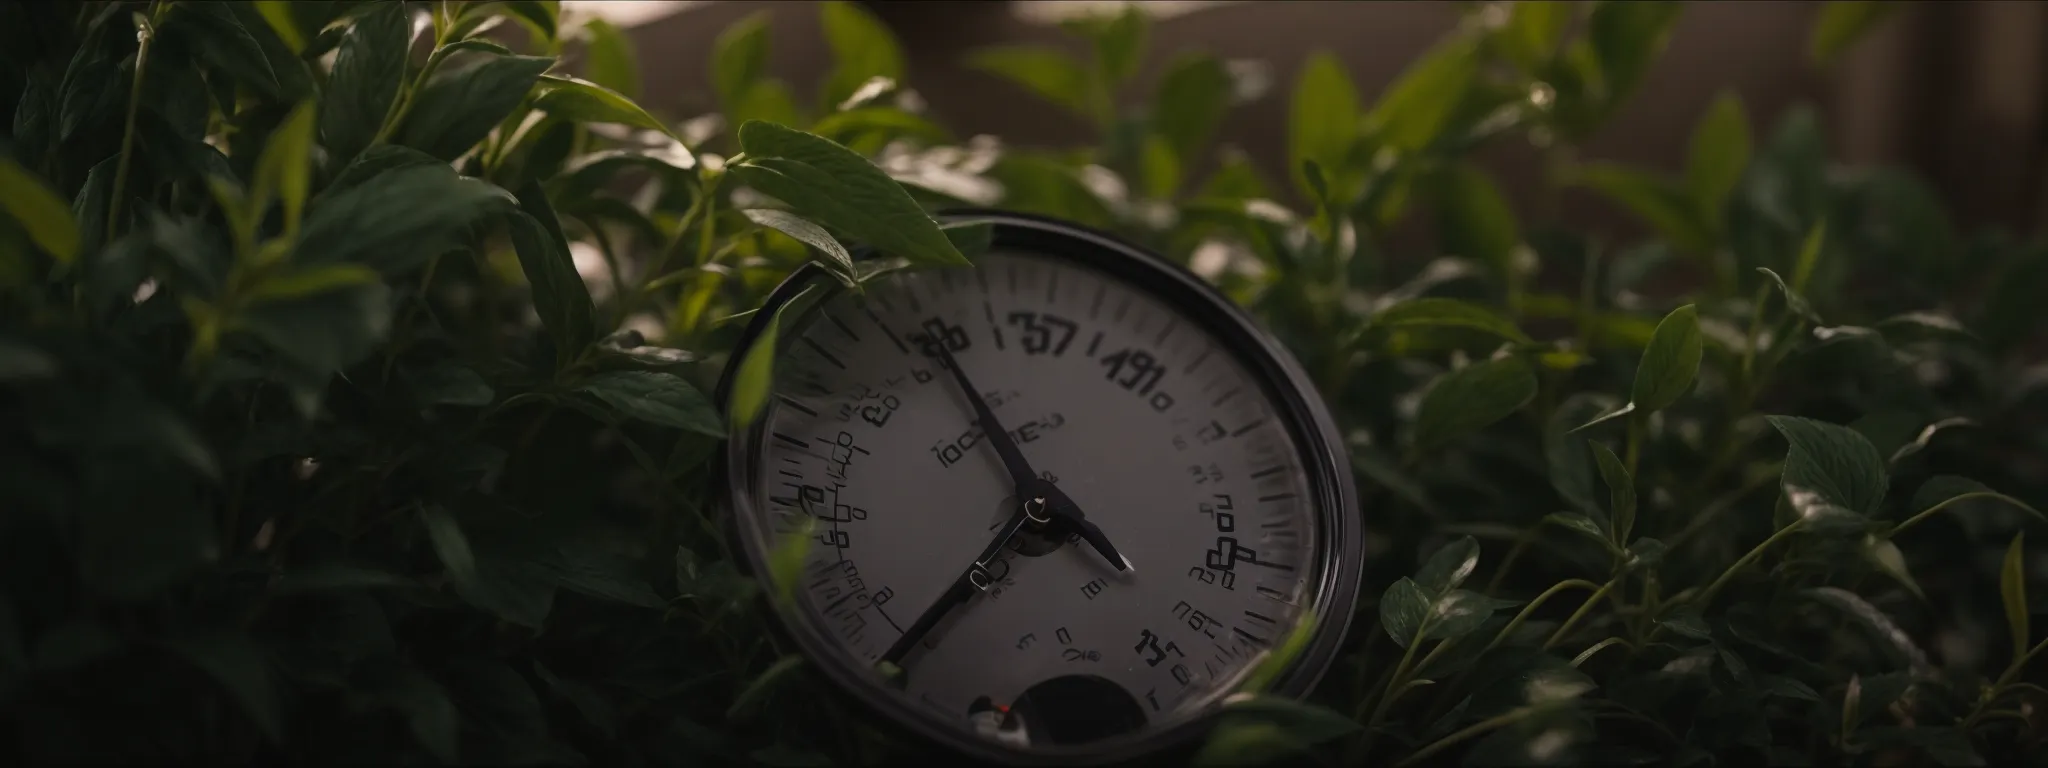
point(1621, 489)
point(1533, 31)
point(739, 58)
point(1670, 363)
point(1793, 300)
point(278, 15)
point(1418, 106)
point(587, 102)
point(656, 398)
point(786, 560)
point(1578, 523)
point(832, 185)
point(449, 542)
point(285, 167)
point(1626, 37)
point(1048, 72)
point(1159, 170)
point(756, 692)
point(1720, 153)
point(1664, 206)
point(844, 127)
point(1841, 23)
point(1276, 661)
point(1468, 399)
point(1193, 96)
point(862, 48)
point(755, 379)
point(1809, 255)
point(1474, 220)
point(367, 72)
point(307, 281)
point(1886, 556)
point(608, 58)
point(1829, 465)
point(1404, 608)
point(2012, 590)
point(461, 104)
point(40, 212)
point(1323, 115)
point(559, 296)
point(1119, 40)
point(835, 255)
point(1449, 567)
point(1447, 313)
point(1461, 612)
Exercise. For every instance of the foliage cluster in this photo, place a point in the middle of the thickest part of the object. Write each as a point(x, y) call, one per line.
point(352, 360)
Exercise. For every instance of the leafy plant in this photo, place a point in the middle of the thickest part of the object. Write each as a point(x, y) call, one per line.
point(353, 360)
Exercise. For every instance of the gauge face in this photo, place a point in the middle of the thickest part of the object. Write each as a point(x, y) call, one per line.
point(1057, 504)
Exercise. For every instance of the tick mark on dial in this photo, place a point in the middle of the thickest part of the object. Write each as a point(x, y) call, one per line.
point(1170, 325)
point(1277, 497)
point(1226, 398)
point(841, 326)
point(793, 442)
point(1052, 286)
point(1255, 615)
point(1248, 427)
point(885, 329)
point(1249, 637)
point(1010, 276)
point(1096, 308)
point(791, 402)
point(995, 330)
point(1123, 308)
point(1199, 359)
point(1270, 471)
point(813, 344)
point(1094, 343)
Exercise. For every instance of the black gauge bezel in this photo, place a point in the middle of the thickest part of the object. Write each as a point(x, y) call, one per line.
point(1309, 424)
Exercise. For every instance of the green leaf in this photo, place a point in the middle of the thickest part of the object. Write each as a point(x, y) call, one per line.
point(1242, 744)
point(335, 576)
point(1158, 169)
point(325, 319)
point(1281, 657)
point(1670, 363)
point(1720, 152)
point(862, 48)
point(739, 58)
point(835, 256)
point(1449, 567)
point(763, 685)
point(844, 127)
point(1305, 722)
point(242, 670)
point(424, 704)
point(583, 101)
point(1793, 300)
point(39, 211)
point(1621, 489)
point(1829, 465)
point(1447, 313)
point(1474, 220)
point(755, 378)
point(1840, 24)
point(1687, 624)
point(463, 101)
point(1533, 31)
point(608, 58)
point(1945, 491)
point(593, 567)
point(215, 33)
point(278, 15)
point(559, 295)
point(831, 185)
point(1119, 40)
point(1461, 612)
point(1418, 106)
point(1404, 608)
point(1626, 37)
point(972, 238)
point(1571, 467)
point(1886, 556)
point(1663, 205)
point(656, 398)
point(392, 209)
point(285, 167)
point(2012, 590)
point(1193, 96)
point(21, 362)
point(310, 281)
point(1322, 118)
point(1470, 398)
point(1047, 72)
point(1579, 524)
point(368, 70)
point(450, 545)
point(446, 383)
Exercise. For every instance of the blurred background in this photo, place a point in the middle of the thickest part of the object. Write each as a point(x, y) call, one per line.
point(1952, 91)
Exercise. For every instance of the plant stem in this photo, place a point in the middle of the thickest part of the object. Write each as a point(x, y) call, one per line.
point(145, 32)
point(1579, 615)
point(1529, 609)
point(1466, 733)
point(403, 106)
point(1998, 688)
point(1706, 596)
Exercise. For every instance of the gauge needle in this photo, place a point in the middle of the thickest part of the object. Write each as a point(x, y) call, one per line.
point(1026, 480)
point(975, 579)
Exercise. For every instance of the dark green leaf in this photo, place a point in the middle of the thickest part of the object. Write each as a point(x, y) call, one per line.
point(1460, 612)
point(558, 291)
point(971, 238)
point(1305, 723)
point(1047, 72)
point(1577, 523)
point(424, 704)
point(1886, 556)
point(1945, 491)
point(1687, 624)
point(1720, 152)
point(739, 58)
point(132, 547)
point(1646, 553)
point(1660, 203)
point(336, 576)
point(1449, 567)
point(367, 72)
point(1621, 488)
point(2012, 591)
point(583, 101)
point(21, 362)
point(215, 33)
point(764, 685)
point(862, 48)
point(1447, 313)
point(1404, 608)
point(1571, 467)
point(1418, 106)
point(1793, 300)
point(656, 398)
point(1193, 96)
point(591, 567)
point(1626, 37)
point(242, 671)
point(1841, 23)
point(391, 210)
point(1829, 465)
point(785, 756)
point(1877, 626)
point(1475, 221)
point(1242, 744)
point(831, 185)
point(1119, 40)
point(1533, 32)
point(447, 383)
point(325, 319)
point(542, 17)
point(39, 211)
point(1786, 687)
point(1470, 398)
point(468, 96)
point(449, 543)
point(609, 59)
point(834, 255)
point(1670, 363)
point(1323, 118)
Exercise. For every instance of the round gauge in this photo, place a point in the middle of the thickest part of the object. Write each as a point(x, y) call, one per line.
point(1059, 504)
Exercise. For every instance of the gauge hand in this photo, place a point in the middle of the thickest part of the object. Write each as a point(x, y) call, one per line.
point(1021, 473)
point(975, 579)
